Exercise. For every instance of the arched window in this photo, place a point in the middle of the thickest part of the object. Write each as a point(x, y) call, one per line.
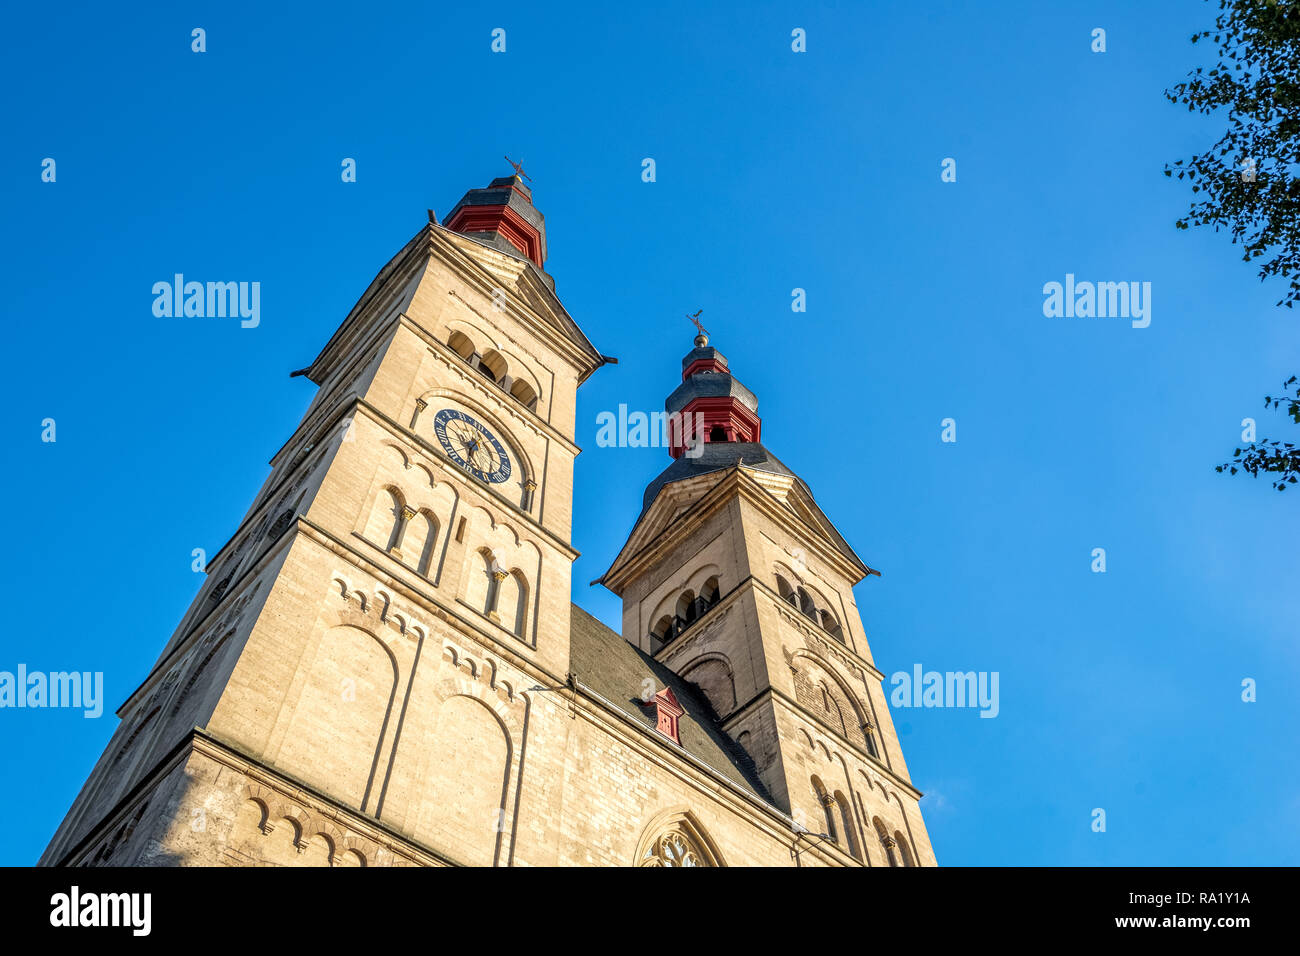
point(834, 713)
point(524, 394)
point(386, 522)
point(481, 587)
point(460, 343)
point(806, 604)
point(663, 631)
point(687, 610)
point(717, 433)
point(710, 593)
point(846, 825)
point(715, 680)
point(512, 601)
point(126, 747)
point(671, 849)
point(870, 738)
point(832, 626)
point(827, 804)
point(421, 540)
point(904, 851)
point(787, 593)
point(887, 843)
point(678, 841)
point(492, 365)
point(123, 835)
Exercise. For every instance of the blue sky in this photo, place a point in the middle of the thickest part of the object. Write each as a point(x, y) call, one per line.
point(775, 170)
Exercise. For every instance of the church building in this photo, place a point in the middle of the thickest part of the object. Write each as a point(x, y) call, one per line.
point(383, 666)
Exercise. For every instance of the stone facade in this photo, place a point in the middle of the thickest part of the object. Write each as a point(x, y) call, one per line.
point(384, 667)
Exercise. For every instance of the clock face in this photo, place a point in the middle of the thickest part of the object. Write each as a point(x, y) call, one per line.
point(471, 446)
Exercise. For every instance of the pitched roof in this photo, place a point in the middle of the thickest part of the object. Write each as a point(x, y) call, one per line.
point(710, 385)
point(608, 665)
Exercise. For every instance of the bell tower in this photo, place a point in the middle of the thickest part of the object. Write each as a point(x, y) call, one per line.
point(735, 579)
point(347, 687)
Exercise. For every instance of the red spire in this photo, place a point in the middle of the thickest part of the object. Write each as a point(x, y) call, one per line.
point(502, 215)
point(712, 404)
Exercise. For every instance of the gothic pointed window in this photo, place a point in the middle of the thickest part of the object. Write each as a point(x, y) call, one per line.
point(678, 840)
point(672, 849)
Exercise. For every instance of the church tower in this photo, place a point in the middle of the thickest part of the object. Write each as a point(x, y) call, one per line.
point(383, 665)
point(401, 578)
point(736, 580)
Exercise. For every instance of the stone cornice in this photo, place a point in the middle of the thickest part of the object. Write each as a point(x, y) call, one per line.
point(213, 747)
point(585, 359)
point(231, 755)
point(734, 484)
point(328, 422)
point(561, 332)
point(430, 604)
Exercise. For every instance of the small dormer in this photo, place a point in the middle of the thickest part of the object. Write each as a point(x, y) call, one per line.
point(667, 712)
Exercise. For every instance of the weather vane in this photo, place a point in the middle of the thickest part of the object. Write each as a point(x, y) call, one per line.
point(695, 320)
point(519, 169)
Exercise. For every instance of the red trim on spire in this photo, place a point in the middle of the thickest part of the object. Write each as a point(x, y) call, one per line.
point(705, 365)
point(503, 220)
point(702, 415)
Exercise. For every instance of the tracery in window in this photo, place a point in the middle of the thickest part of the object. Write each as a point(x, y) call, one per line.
point(674, 848)
point(677, 839)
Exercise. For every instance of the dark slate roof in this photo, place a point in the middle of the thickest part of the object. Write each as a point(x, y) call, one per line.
point(710, 385)
point(722, 456)
point(717, 456)
point(602, 661)
point(505, 191)
point(703, 352)
point(502, 193)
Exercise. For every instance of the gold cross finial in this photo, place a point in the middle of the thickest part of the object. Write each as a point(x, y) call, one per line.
point(519, 169)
